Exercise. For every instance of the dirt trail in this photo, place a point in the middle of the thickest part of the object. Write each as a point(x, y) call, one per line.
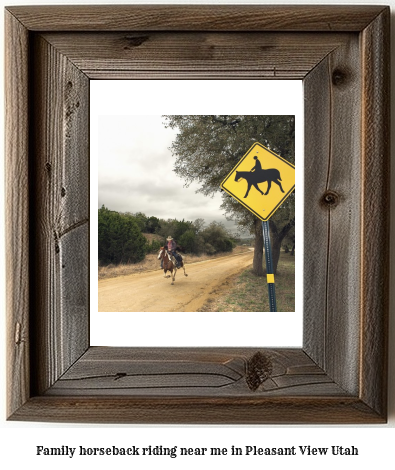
point(151, 292)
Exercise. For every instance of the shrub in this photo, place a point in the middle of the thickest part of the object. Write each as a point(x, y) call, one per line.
point(120, 238)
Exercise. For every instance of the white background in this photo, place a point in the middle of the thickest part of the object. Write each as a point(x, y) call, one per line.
point(117, 98)
point(18, 441)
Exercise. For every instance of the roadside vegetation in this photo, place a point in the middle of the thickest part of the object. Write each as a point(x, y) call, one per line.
point(249, 293)
point(125, 238)
point(151, 263)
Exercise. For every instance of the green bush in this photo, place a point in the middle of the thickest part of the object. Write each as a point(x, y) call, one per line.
point(120, 239)
point(216, 237)
point(154, 246)
point(188, 241)
point(209, 249)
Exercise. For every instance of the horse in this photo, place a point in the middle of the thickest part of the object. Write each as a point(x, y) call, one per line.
point(168, 264)
point(255, 177)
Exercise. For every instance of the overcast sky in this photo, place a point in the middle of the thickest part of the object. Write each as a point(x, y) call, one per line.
point(136, 174)
point(128, 137)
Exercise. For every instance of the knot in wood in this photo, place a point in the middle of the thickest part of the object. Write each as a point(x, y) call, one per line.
point(259, 369)
point(339, 77)
point(135, 41)
point(330, 199)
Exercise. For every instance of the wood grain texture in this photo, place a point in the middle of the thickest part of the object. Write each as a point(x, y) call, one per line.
point(344, 253)
point(123, 385)
point(339, 376)
point(60, 184)
point(196, 54)
point(317, 111)
point(196, 17)
point(333, 154)
point(188, 372)
point(375, 211)
point(198, 410)
point(17, 194)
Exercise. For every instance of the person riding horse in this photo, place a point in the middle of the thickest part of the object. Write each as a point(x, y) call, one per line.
point(170, 260)
point(257, 175)
point(258, 166)
point(171, 247)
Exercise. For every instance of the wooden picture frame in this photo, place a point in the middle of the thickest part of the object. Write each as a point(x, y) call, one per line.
point(340, 374)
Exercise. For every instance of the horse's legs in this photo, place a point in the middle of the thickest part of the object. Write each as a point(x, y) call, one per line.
point(269, 185)
point(173, 276)
point(248, 189)
point(256, 186)
point(278, 182)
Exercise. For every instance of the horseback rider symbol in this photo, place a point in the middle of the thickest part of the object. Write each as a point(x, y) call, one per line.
point(279, 171)
point(257, 176)
point(257, 166)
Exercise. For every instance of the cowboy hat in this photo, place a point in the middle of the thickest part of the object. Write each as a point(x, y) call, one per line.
point(169, 238)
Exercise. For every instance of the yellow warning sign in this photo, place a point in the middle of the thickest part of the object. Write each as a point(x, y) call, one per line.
point(261, 181)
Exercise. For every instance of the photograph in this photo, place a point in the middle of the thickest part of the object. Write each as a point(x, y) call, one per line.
point(165, 218)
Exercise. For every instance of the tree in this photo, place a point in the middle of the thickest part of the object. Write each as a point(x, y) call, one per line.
point(166, 228)
point(216, 236)
point(119, 238)
point(207, 147)
point(188, 241)
point(140, 218)
point(194, 237)
point(181, 227)
point(152, 225)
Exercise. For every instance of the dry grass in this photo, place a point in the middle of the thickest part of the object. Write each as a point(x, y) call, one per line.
point(246, 292)
point(151, 263)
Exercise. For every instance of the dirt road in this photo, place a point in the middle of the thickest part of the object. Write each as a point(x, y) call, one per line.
point(151, 292)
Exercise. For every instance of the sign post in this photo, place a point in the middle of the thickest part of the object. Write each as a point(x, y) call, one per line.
point(261, 165)
point(269, 267)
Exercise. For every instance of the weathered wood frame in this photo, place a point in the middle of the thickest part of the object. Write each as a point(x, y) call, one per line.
point(342, 54)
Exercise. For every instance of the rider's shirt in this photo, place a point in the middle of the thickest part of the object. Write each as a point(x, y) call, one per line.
point(171, 245)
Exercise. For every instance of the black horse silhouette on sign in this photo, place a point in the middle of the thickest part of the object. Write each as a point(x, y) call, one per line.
point(255, 177)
